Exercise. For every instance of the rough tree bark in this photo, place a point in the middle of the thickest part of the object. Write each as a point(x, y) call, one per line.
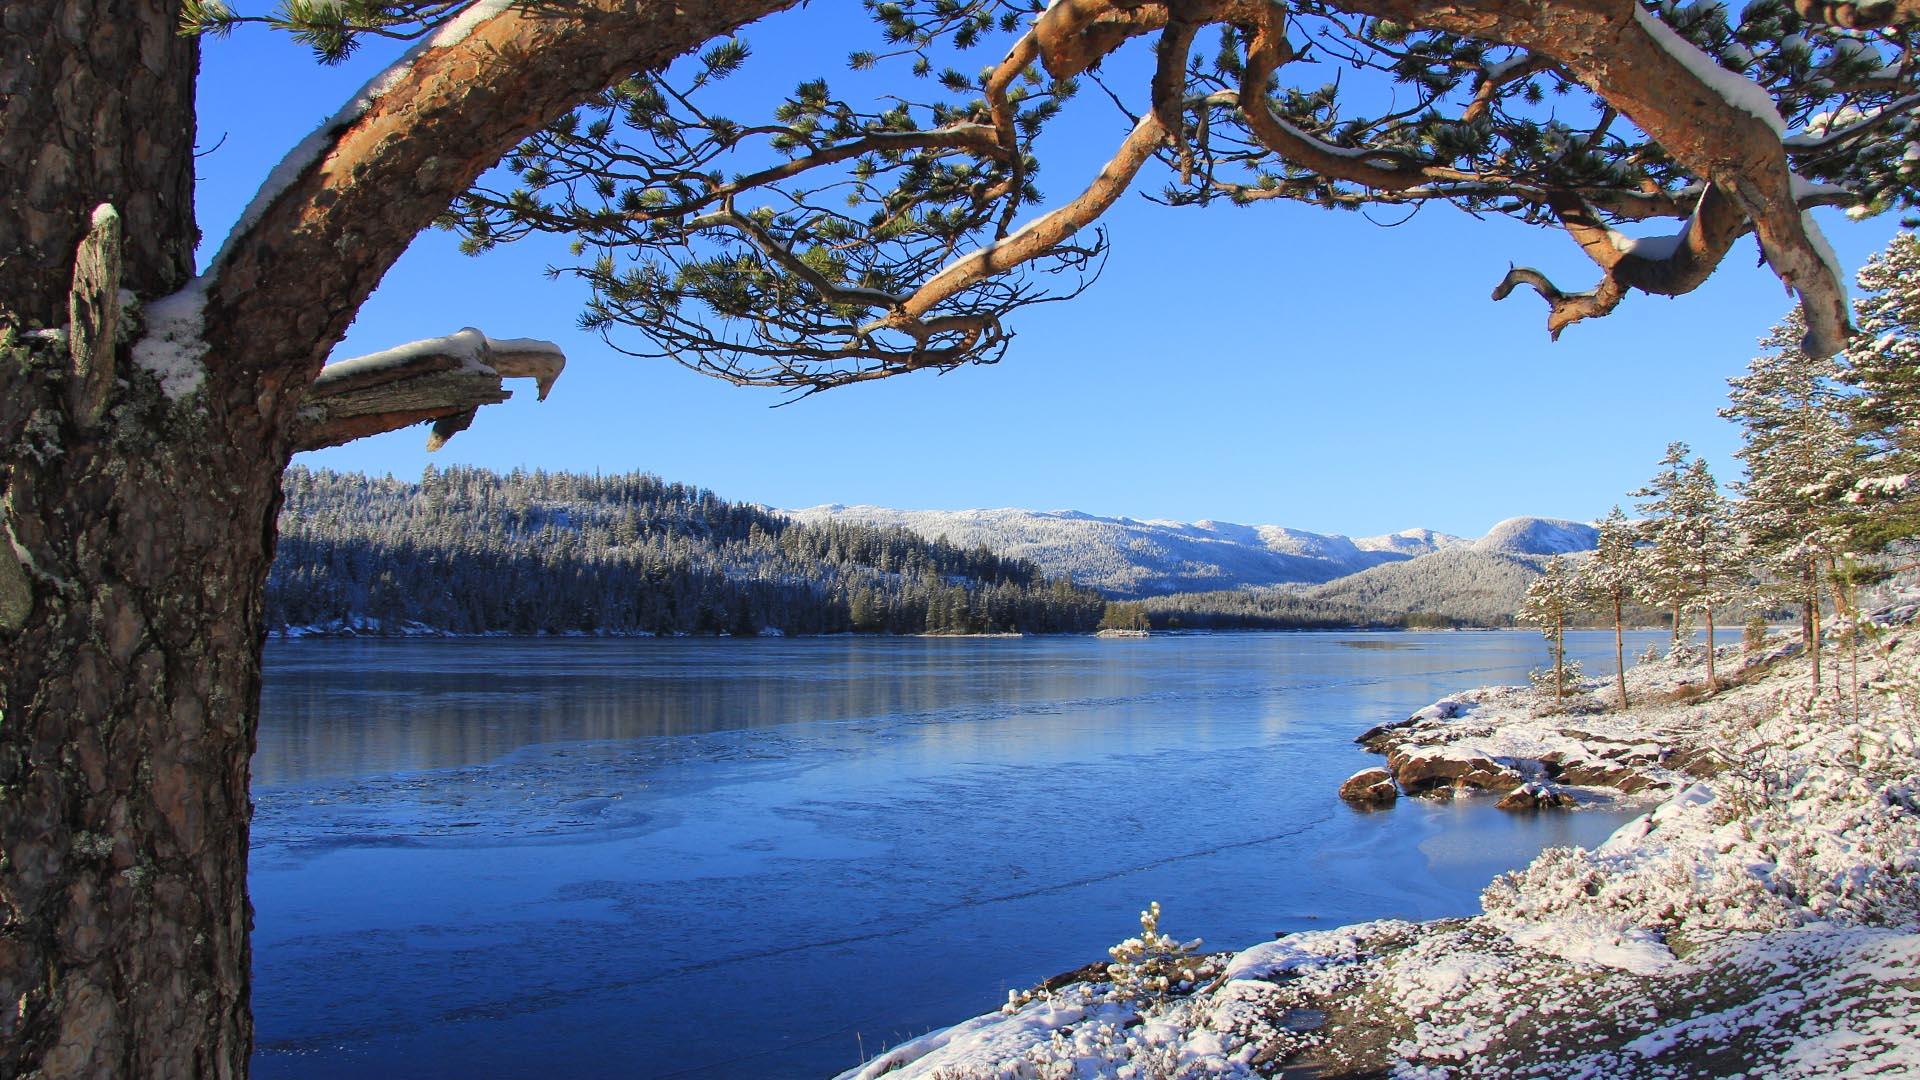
point(139, 526)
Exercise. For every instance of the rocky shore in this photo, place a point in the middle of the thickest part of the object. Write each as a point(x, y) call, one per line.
point(1760, 920)
point(1508, 741)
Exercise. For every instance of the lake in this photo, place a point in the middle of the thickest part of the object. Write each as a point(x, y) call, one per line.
point(768, 858)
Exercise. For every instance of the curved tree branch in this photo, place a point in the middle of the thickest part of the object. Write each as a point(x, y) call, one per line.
point(337, 214)
point(1036, 238)
point(1873, 15)
point(1720, 125)
point(1661, 265)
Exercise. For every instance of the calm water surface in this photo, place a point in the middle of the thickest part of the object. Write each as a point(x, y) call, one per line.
point(634, 858)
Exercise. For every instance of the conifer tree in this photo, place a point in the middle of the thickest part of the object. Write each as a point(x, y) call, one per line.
point(1712, 552)
point(149, 405)
point(1554, 598)
point(1883, 364)
point(1694, 559)
point(1663, 582)
point(1801, 461)
point(1609, 578)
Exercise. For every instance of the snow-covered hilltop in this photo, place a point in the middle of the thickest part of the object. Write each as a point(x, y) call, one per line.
point(1128, 558)
point(1537, 536)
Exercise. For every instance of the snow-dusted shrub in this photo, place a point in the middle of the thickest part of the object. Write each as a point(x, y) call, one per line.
point(1543, 684)
point(1686, 653)
point(1145, 967)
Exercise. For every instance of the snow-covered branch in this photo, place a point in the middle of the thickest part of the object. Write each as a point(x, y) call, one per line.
point(336, 213)
point(444, 380)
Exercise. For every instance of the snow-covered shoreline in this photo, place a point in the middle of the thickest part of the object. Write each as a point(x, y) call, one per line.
point(1759, 920)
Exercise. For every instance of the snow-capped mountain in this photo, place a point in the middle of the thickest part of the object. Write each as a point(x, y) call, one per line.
point(1537, 536)
point(1124, 557)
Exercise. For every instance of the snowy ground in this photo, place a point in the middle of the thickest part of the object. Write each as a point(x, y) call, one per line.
point(1760, 921)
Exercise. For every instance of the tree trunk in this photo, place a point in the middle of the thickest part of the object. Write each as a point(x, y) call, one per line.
point(1853, 648)
point(1713, 683)
point(1842, 611)
point(131, 694)
point(139, 531)
point(96, 106)
point(1620, 651)
point(1810, 621)
point(1559, 662)
point(137, 528)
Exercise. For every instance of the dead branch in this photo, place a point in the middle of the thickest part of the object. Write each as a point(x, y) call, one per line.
point(443, 379)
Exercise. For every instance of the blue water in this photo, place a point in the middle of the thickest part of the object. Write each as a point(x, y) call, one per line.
point(711, 858)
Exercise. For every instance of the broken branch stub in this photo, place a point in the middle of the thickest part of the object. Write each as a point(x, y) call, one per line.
point(442, 380)
point(93, 317)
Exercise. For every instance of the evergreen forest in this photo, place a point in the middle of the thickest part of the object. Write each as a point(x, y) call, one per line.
point(469, 551)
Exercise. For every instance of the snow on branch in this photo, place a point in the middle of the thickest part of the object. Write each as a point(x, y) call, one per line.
point(1667, 265)
point(444, 380)
point(315, 147)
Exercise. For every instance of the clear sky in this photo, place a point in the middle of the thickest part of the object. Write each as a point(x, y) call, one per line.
point(1271, 364)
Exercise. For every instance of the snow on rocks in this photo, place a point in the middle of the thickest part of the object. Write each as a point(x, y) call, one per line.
point(1535, 795)
point(1422, 770)
point(1500, 738)
point(1758, 921)
point(1370, 787)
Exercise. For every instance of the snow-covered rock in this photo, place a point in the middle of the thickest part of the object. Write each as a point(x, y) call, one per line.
point(1370, 787)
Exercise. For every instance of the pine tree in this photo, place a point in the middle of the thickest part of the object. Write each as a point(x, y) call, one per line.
point(1552, 599)
point(1664, 581)
point(1695, 558)
point(1802, 460)
point(1883, 364)
point(1609, 578)
point(149, 506)
point(1711, 552)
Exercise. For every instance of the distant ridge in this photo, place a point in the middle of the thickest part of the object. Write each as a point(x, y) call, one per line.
point(1537, 536)
point(1466, 585)
point(1128, 558)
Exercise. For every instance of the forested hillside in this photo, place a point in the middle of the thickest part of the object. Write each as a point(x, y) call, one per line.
point(1462, 586)
point(471, 551)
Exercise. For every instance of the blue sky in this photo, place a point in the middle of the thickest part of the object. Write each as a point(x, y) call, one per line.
point(1271, 364)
